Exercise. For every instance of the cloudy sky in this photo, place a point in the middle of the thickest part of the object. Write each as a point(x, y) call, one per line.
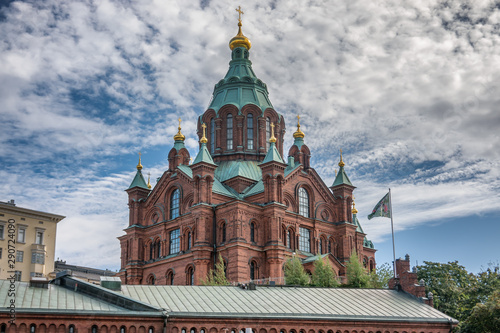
point(408, 89)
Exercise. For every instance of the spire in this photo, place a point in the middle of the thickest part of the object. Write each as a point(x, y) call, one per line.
point(139, 179)
point(149, 180)
point(354, 210)
point(179, 136)
point(239, 40)
point(341, 177)
point(273, 153)
point(203, 155)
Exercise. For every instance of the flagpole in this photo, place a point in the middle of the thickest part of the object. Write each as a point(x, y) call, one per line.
point(392, 228)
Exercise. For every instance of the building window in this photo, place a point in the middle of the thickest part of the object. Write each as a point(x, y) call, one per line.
point(38, 258)
point(94, 329)
point(330, 246)
point(17, 275)
point(303, 202)
point(151, 250)
point(268, 133)
point(288, 240)
point(39, 237)
point(158, 249)
point(151, 330)
point(174, 204)
point(252, 232)
point(212, 135)
point(305, 240)
point(190, 276)
point(2, 229)
point(252, 270)
point(250, 131)
point(174, 241)
point(320, 246)
point(229, 135)
point(189, 240)
point(21, 235)
point(0, 253)
point(122, 329)
point(19, 256)
point(32, 328)
point(170, 278)
point(71, 329)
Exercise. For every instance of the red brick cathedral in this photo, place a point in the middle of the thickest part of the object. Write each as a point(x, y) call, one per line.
point(239, 198)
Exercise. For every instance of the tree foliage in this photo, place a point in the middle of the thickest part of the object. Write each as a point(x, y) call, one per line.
point(217, 277)
point(323, 275)
point(485, 317)
point(379, 278)
point(357, 276)
point(295, 273)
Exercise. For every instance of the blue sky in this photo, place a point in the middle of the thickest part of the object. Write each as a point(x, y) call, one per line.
point(408, 90)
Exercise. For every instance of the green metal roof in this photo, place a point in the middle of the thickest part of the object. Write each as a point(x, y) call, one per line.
point(313, 258)
point(204, 155)
point(342, 178)
point(230, 169)
point(289, 302)
point(255, 189)
point(139, 181)
point(179, 144)
point(219, 188)
point(273, 155)
point(185, 169)
point(240, 86)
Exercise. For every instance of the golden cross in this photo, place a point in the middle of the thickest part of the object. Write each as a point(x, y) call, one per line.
point(140, 155)
point(204, 126)
point(239, 13)
point(298, 121)
point(272, 129)
point(341, 154)
point(179, 123)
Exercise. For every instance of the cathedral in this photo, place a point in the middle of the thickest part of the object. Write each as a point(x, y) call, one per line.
point(240, 198)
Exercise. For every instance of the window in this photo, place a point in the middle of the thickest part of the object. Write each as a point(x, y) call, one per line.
point(223, 231)
point(212, 135)
point(32, 328)
point(2, 228)
point(122, 329)
point(19, 256)
point(229, 136)
point(252, 270)
point(250, 131)
point(21, 235)
point(0, 253)
point(94, 329)
point(268, 133)
point(17, 275)
point(174, 241)
point(189, 240)
point(174, 204)
point(39, 237)
point(71, 329)
point(305, 240)
point(151, 330)
point(35, 274)
point(158, 249)
point(190, 276)
point(303, 202)
point(170, 278)
point(288, 240)
point(38, 258)
point(330, 246)
point(252, 232)
point(151, 250)
point(321, 246)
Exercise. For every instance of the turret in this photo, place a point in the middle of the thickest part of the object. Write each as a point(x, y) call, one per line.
point(138, 191)
point(273, 170)
point(178, 154)
point(299, 150)
point(342, 189)
point(203, 173)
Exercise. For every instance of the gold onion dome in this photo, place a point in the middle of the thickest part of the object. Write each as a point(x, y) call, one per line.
point(240, 40)
point(298, 133)
point(179, 136)
point(341, 163)
point(354, 210)
point(139, 165)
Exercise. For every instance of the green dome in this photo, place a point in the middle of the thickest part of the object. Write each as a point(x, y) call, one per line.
point(240, 86)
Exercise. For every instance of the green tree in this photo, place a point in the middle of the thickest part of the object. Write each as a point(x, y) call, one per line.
point(451, 286)
point(323, 275)
point(380, 277)
point(217, 277)
point(295, 273)
point(357, 276)
point(485, 318)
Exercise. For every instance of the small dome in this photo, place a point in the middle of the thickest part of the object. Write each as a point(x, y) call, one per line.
point(240, 40)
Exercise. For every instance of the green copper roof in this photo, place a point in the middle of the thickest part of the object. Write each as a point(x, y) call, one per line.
point(273, 155)
point(355, 221)
point(204, 155)
point(139, 181)
point(179, 144)
point(298, 142)
point(185, 169)
point(255, 189)
point(342, 178)
point(230, 169)
point(240, 86)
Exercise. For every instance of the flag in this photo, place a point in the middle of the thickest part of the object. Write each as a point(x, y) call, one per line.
point(382, 208)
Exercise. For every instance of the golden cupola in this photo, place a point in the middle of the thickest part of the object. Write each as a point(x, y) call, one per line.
point(240, 40)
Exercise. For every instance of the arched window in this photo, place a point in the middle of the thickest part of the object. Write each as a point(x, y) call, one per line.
point(158, 249)
point(123, 329)
point(71, 329)
point(288, 240)
point(174, 204)
point(250, 131)
point(189, 240)
point(212, 135)
point(330, 246)
point(252, 232)
point(223, 232)
point(170, 278)
point(151, 330)
point(320, 246)
point(303, 202)
point(190, 277)
point(3, 328)
point(32, 328)
point(268, 133)
point(151, 250)
point(229, 133)
point(151, 280)
point(175, 236)
point(94, 329)
point(252, 270)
